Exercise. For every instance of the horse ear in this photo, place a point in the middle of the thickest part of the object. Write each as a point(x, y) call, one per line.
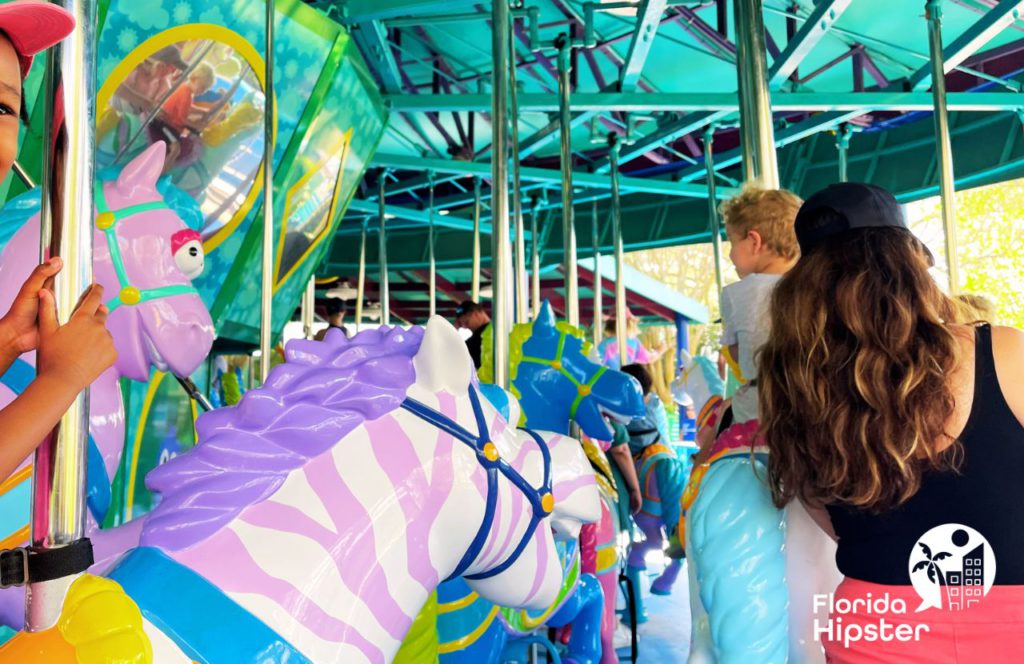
point(545, 320)
point(443, 361)
point(144, 170)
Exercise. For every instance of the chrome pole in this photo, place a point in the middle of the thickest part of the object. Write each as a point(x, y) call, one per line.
point(757, 131)
point(595, 233)
point(267, 273)
point(843, 150)
point(620, 261)
point(475, 291)
point(534, 260)
point(716, 228)
point(431, 266)
point(572, 293)
point(58, 479)
point(501, 271)
point(308, 305)
point(382, 259)
point(361, 282)
point(947, 183)
point(519, 249)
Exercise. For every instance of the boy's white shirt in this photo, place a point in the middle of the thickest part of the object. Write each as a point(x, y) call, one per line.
point(746, 323)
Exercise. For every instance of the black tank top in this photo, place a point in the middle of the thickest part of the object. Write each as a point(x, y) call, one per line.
point(987, 495)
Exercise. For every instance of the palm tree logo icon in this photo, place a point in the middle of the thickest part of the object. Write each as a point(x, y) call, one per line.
point(931, 564)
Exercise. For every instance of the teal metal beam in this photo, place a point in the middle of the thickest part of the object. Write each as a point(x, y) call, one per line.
point(971, 41)
point(663, 135)
point(640, 102)
point(357, 11)
point(549, 133)
point(410, 214)
point(546, 175)
point(648, 18)
point(815, 27)
point(791, 134)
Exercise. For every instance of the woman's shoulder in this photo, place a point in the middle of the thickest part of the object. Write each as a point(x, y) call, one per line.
point(1008, 353)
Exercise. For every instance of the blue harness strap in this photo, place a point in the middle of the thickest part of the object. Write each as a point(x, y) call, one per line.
point(183, 605)
point(17, 380)
point(488, 457)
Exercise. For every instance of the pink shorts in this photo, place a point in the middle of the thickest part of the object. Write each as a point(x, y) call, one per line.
point(988, 633)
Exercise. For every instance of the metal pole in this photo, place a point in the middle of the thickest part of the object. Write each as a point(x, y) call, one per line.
point(620, 282)
point(517, 206)
point(267, 274)
point(534, 260)
point(572, 293)
point(475, 292)
point(501, 269)
point(933, 12)
point(716, 228)
point(431, 265)
point(385, 296)
point(58, 480)
point(308, 304)
point(758, 133)
point(598, 332)
point(843, 148)
point(361, 283)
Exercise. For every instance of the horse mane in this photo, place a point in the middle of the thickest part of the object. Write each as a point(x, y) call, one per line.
point(320, 394)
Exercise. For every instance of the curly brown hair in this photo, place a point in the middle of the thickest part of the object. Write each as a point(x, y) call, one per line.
point(853, 389)
point(770, 212)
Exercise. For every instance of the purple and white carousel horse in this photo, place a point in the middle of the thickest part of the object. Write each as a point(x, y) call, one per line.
point(144, 257)
point(314, 519)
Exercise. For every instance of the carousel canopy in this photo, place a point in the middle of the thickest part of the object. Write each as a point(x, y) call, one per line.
point(662, 76)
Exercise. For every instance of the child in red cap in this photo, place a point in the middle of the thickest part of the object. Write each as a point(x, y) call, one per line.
point(68, 357)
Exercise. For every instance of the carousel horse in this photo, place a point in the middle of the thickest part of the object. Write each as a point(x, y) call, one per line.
point(144, 258)
point(556, 383)
point(754, 569)
point(315, 518)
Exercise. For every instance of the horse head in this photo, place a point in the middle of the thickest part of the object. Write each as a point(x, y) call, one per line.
point(558, 381)
point(145, 258)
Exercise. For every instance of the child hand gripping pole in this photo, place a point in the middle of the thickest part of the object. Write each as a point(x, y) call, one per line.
point(69, 358)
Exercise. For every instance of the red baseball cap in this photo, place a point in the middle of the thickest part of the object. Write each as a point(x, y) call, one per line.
point(33, 26)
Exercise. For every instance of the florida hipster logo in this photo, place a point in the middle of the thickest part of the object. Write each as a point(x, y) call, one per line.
point(952, 566)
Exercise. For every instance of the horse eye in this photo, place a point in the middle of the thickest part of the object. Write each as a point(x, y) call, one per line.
point(190, 259)
point(193, 252)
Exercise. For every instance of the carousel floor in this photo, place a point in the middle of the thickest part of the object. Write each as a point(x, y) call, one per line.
point(665, 637)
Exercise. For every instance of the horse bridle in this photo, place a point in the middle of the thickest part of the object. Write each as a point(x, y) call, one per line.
point(542, 500)
point(106, 221)
point(583, 390)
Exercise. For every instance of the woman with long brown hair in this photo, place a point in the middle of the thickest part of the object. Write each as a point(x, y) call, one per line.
point(902, 431)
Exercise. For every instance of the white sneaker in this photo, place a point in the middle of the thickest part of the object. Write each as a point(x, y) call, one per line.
point(623, 637)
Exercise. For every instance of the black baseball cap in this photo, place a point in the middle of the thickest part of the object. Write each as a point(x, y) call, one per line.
point(467, 307)
point(846, 206)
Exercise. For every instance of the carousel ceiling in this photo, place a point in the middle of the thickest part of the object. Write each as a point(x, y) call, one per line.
point(662, 76)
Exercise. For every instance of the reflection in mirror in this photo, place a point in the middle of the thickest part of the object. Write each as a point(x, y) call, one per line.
point(205, 101)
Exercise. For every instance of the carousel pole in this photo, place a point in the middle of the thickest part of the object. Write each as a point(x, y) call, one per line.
point(843, 150)
point(431, 265)
point(716, 228)
point(58, 479)
point(519, 250)
point(267, 272)
point(361, 281)
point(947, 186)
point(308, 306)
point(534, 258)
point(475, 291)
point(598, 332)
point(620, 282)
point(501, 271)
point(572, 293)
point(385, 296)
point(756, 130)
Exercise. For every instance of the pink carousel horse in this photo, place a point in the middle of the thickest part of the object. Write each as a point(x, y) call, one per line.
point(314, 519)
point(144, 257)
